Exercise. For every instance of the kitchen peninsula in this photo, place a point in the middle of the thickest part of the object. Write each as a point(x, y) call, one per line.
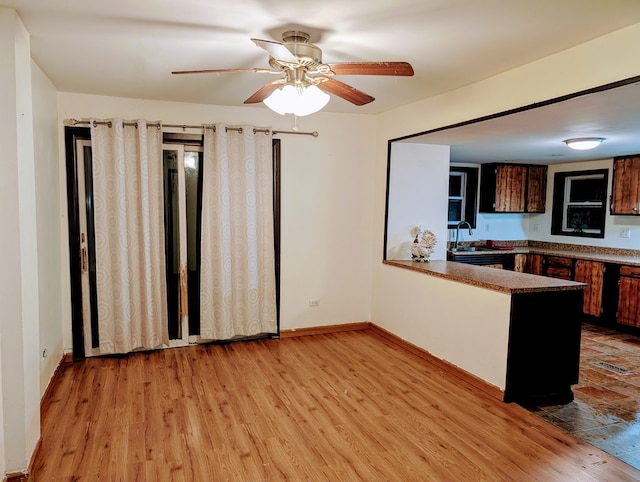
point(542, 333)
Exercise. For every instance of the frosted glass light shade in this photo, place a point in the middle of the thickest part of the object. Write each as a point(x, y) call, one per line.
point(289, 100)
point(584, 143)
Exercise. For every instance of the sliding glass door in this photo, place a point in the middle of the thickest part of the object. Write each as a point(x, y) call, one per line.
point(182, 197)
point(182, 210)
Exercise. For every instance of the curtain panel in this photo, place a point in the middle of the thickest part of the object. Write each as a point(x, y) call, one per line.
point(129, 233)
point(238, 289)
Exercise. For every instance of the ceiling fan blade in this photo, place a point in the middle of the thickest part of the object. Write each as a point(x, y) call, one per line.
point(264, 92)
point(345, 91)
point(276, 50)
point(372, 68)
point(213, 71)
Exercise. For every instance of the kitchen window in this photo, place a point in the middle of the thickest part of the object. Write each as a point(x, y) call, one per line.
point(579, 203)
point(463, 192)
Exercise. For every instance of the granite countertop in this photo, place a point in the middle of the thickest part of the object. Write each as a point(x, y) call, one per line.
point(490, 278)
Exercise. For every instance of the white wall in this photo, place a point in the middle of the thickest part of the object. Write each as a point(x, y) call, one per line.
point(567, 72)
point(45, 145)
point(326, 209)
point(411, 165)
point(465, 325)
point(19, 297)
point(613, 224)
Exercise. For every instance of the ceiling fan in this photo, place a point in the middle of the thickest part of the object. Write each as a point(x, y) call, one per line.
point(302, 66)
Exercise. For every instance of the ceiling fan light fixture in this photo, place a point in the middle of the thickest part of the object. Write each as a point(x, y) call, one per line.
point(584, 143)
point(300, 102)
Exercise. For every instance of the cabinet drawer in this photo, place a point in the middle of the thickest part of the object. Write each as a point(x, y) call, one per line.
point(561, 272)
point(558, 261)
point(631, 271)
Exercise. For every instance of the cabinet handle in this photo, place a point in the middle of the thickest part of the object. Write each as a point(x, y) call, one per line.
point(84, 263)
point(634, 209)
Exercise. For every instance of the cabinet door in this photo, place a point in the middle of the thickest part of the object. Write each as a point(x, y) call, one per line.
point(535, 264)
point(625, 198)
point(536, 189)
point(628, 305)
point(592, 273)
point(511, 182)
point(520, 263)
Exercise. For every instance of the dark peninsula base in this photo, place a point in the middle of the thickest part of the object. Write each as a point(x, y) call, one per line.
point(544, 347)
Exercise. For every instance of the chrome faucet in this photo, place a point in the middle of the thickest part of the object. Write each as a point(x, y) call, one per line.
point(460, 224)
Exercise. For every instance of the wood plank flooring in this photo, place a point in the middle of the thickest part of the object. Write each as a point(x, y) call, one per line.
point(339, 407)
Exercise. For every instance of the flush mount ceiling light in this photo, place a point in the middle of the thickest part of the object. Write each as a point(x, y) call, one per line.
point(584, 143)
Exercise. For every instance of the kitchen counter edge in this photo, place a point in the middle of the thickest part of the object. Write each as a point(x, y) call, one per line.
point(504, 281)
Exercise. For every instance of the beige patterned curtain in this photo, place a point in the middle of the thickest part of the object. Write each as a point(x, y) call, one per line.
point(129, 233)
point(238, 291)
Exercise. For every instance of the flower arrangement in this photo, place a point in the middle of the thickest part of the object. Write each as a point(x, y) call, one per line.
point(423, 247)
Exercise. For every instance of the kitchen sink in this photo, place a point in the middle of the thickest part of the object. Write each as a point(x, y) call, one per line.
point(465, 249)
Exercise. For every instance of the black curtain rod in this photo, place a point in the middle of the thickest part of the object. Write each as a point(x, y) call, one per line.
point(75, 122)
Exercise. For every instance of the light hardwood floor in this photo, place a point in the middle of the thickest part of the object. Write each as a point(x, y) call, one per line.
point(339, 407)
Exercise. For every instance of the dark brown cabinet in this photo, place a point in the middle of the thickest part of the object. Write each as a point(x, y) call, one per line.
point(536, 189)
point(534, 264)
point(629, 296)
point(582, 271)
point(520, 263)
point(625, 197)
point(592, 273)
point(559, 267)
point(512, 188)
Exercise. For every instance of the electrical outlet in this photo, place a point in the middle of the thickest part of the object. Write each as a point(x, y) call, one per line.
point(486, 228)
point(625, 233)
point(536, 228)
point(314, 302)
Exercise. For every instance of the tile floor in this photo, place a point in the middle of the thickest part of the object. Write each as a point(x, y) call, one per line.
point(606, 409)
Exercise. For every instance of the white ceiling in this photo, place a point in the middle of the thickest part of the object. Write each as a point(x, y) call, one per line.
point(536, 135)
point(128, 48)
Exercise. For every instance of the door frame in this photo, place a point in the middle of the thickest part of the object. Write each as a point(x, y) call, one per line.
point(71, 135)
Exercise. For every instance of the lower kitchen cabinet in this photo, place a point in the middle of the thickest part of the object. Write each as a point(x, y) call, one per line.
point(629, 296)
point(592, 273)
point(559, 267)
point(534, 264)
point(520, 263)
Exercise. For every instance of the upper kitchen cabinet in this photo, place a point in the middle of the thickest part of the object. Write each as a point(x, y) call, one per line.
point(536, 189)
point(512, 188)
point(625, 198)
